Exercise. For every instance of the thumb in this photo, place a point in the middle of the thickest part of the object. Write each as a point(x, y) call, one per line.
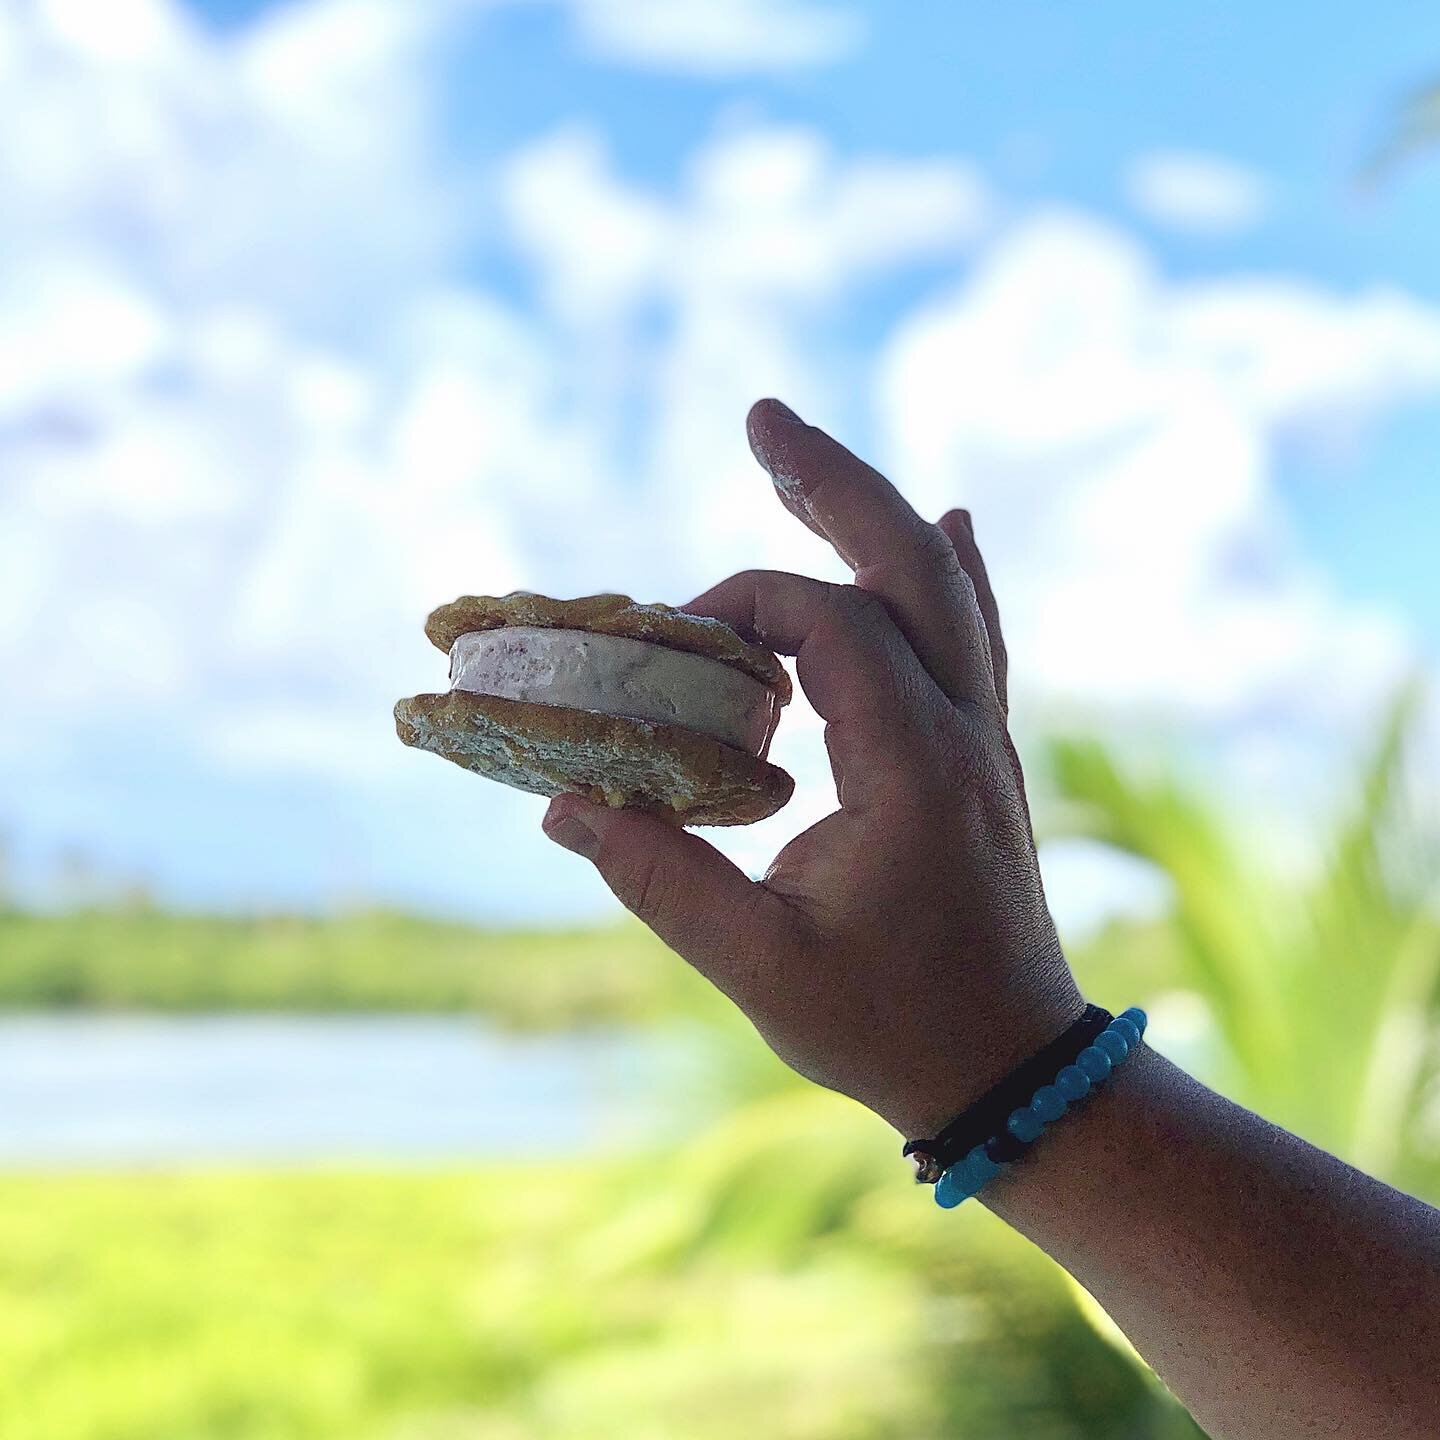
point(699, 903)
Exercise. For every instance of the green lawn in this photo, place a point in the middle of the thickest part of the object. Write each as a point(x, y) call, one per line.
point(776, 1278)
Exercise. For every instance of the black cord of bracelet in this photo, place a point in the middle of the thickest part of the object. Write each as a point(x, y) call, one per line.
point(985, 1122)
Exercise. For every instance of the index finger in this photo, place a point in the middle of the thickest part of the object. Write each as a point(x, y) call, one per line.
point(855, 668)
point(853, 663)
point(910, 564)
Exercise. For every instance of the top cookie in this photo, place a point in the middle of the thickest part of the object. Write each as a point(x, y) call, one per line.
point(610, 615)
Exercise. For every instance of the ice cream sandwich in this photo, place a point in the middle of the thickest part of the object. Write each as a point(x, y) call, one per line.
point(631, 705)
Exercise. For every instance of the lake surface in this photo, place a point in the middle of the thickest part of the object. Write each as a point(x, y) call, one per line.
point(88, 1091)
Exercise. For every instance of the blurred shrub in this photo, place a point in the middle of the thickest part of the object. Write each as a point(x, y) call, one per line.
point(378, 961)
point(773, 1278)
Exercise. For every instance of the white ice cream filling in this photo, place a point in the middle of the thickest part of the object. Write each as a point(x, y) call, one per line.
point(613, 675)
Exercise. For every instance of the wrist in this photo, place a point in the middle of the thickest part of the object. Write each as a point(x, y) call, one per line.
point(1083, 1158)
point(957, 1067)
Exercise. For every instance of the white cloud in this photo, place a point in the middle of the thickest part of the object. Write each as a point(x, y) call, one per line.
point(765, 213)
point(254, 421)
point(769, 228)
point(191, 500)
point(72, 330)
point(205, 170)
point(139, 33)
point(774, 212)
point(1116, 436)
point(599, 268)
point(1205, 194)
point(718, 37)
point(1307, 361)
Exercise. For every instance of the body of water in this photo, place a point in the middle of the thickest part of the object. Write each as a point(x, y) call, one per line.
point(92, 1091)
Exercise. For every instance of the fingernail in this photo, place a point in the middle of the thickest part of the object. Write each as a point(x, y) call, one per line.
point(574, 834)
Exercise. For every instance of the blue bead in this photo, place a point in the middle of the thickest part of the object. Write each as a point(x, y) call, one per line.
point(1073, 1083)
point(950, 1189)
point(1048, 1103)
point(1113, 1045)
point(1137, 1017)
point(1128, 1030)
point(1025, 1125)
point(1095, 1063)
point(980, 1169)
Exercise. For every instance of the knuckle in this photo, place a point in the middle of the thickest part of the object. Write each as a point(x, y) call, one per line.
point(984, 768)
point(976, 747)
point(937, 550)
point(859, 608)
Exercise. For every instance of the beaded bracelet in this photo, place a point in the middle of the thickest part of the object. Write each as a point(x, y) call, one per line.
point(987, 1115)
point(1074, 1082)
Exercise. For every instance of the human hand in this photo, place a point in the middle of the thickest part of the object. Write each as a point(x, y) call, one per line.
point(900, 950)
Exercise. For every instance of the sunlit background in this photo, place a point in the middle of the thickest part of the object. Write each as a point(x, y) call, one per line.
point(317, 313)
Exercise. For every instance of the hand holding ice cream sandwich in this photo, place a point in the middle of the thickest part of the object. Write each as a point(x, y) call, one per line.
point(901, 951)
point(918, 898)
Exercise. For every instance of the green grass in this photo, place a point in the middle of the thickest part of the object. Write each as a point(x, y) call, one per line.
point(374, 961)
point(775, 1276)
point(772, 1279)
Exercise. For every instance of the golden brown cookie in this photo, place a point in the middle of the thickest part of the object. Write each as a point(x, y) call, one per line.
point(614, 760)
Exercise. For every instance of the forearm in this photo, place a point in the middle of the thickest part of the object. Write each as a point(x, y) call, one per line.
point(1278, 1292)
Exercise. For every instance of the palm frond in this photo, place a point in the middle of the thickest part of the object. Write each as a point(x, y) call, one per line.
point(1373, 951)
point(1326, 989)
point(1223, 909)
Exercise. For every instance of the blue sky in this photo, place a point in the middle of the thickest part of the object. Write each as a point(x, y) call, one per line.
point(321, 311)
point(1055, 102)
